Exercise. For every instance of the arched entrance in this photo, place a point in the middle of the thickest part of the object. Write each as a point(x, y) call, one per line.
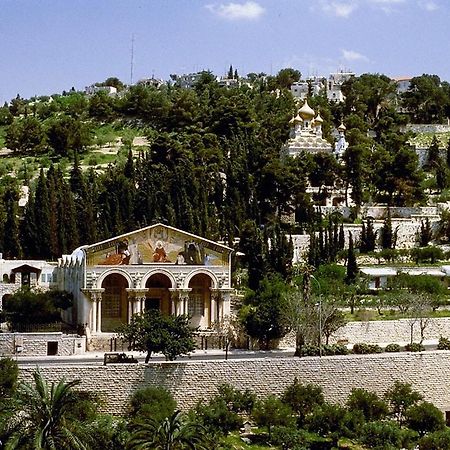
point(114, 302)
point(199, 306)
point(158, 294)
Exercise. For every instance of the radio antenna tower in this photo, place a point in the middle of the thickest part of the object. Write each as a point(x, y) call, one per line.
point(132, 59)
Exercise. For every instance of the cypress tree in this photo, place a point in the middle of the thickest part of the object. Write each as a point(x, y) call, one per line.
point(230, 72)
point(425, 233)
point(448, 154)
point(42, 217)
point(442, 175)
point(69, 240)
point(54, 220)
point(128, 170)
point(371, 236)
point(363, 245)
point(387, 237)
point(11, 240)
point(341, 237)
point(352, 266)
point(368, 237)
point(433, 153)
point(252, 246)
point(29, 230)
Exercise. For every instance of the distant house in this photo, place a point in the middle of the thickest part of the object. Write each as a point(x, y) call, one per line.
point(378, 276)
point(403, 84)
point(315, 85)
point(15, 274)
point(94, 89)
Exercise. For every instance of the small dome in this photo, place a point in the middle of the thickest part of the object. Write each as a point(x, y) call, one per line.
point(306, 112)
point(298, 119)
point(341, 127)
point(318, 120)
point(292, 121)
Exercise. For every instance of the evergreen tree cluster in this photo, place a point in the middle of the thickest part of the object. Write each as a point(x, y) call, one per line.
point(212, 166)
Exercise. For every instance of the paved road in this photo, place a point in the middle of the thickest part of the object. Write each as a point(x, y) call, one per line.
point(97, 358)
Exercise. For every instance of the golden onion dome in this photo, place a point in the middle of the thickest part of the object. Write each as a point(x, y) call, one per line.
point(341, 127)
point(298, 119)
point(306, 112)
point(318, 120)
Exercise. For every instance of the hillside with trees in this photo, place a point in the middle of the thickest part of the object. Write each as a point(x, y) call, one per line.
point(208, 161)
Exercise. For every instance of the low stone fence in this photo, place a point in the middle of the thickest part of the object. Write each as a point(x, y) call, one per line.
point(41, 344)
point(193, 381)
point(384, 332)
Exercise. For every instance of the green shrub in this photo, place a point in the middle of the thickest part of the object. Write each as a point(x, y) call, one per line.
point(427, 254)
point(272, 412)
point(439, 440)
point(310, 350)
point(371, 406)
point(444, 344)
point(152, 402)
point(340, 349)
point(216, 417)
point(365, 349)
point(425, 418)
point(414, 347)
point(302, 398)
point(9, 371)
point(392, 348)
point(386, 435)
point(236, 400)
point(92, 160)
point(327, 350)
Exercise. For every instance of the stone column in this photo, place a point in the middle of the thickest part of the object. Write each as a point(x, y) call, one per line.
point(183, 295)
point(95, 312)
point(224, 303)
point(174, 300)
point(99, 312)
point(215, 298)
point(136, 300)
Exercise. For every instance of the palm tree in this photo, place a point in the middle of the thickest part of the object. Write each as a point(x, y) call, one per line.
point(44, 417)
point(171, 434)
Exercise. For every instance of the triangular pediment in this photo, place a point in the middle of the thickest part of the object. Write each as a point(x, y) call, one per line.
point(157, 244)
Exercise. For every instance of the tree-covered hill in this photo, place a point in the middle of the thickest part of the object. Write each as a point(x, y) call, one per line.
point(209, 164)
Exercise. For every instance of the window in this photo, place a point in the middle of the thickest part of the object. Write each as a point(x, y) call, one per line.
point(196, 304)
point(111, 302)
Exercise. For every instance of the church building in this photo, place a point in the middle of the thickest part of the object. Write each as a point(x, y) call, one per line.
point(157, 267)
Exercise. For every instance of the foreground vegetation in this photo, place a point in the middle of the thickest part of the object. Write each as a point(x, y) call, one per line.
point(60, 416)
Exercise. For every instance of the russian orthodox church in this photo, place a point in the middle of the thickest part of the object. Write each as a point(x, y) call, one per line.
point(306, 135)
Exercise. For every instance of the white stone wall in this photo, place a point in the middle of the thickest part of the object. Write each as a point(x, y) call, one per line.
point(192, 381)
point(35, 344)
point(408, 231)
point(427, 128)
point(384, 332)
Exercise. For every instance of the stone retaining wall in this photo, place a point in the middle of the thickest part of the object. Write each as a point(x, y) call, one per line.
point(384, 332)
point(192, 381)
point(35, 344)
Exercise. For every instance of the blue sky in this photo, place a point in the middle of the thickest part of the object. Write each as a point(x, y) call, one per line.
point(51, 45)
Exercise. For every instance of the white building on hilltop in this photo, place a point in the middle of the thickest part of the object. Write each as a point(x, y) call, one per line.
point(316, 85)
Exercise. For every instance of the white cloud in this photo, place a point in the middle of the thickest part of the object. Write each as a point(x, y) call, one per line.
point(387, 2)
point(345, 8)
point(351, 55)
point(386, 6)
point(339, 8)
point(428, 5)
point(238, 11)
